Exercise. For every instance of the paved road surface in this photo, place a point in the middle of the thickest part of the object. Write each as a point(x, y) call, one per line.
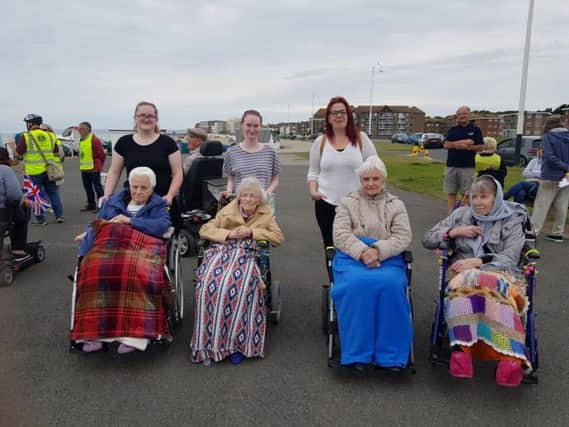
point(42, 384)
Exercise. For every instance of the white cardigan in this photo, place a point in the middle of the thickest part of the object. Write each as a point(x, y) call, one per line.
point(335, 171)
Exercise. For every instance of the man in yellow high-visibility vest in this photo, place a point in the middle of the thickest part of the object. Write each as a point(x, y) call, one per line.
point(91, 161)
point(34, 164)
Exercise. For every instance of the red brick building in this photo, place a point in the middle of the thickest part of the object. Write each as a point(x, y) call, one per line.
point(489, 124)
point(533, 123)
point(438, 125)
point(389, 119)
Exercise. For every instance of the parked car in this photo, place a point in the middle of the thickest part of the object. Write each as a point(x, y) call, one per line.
point(70, 147)
point(108, 147)
point(415, 139)
point(399, 138)
point(507, 149)
point(432, 140)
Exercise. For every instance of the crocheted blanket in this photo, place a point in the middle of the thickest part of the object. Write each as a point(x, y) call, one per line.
point(487, 306)
point(122, 289)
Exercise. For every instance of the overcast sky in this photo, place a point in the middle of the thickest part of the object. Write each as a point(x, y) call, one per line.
point(72, 60)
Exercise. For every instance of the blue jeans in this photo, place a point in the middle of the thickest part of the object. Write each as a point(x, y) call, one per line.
point(52, 192)
point(522, 190)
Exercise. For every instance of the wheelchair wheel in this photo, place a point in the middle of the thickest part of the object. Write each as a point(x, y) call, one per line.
point(40, 254)
point(175, 278)
point(275, 313)
point(7, 275)
point(187, 243)
point(439, 353)
point(179, 281)
point(324, 308)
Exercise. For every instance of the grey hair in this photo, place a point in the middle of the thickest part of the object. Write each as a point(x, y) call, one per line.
point(484, 184)
point(490, 143)
point(254, 183)
point(143, 171)
point(372, 163)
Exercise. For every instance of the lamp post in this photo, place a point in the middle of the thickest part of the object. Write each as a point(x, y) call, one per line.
point(371, 93)
point(523, 87)
point(314, 96)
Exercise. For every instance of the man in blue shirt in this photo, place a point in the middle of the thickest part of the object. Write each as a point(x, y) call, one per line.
point(462, 142)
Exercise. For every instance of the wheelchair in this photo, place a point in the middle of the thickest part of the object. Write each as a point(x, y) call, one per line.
point(196, 203)
point(9, 265)
point(174, 276)
point(330, 323)
point(272, 291)
point(440, 350)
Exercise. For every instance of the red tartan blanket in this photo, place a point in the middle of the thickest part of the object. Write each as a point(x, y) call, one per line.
point(122, 289)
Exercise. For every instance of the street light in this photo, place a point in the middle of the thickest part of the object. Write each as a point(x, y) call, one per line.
point(378, 65)
point(523, 88)
point(314, 96)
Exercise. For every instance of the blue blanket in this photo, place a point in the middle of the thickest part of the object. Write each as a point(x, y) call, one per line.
point(374, 315)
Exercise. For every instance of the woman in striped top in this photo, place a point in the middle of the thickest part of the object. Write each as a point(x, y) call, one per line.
point(251, 157)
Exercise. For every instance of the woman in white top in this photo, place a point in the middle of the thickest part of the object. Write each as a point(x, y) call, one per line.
point(334, 158)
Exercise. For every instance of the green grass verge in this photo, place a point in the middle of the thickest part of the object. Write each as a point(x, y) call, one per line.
point(419, 175)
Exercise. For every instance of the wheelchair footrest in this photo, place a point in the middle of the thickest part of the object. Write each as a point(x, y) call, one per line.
point(530, 378)
point(439, 356)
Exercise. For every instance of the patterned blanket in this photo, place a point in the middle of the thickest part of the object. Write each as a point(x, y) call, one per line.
point(487, 306)
point(230, 309)
point(122, 289)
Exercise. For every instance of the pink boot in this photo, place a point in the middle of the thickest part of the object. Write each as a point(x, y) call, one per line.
point(509, 373)
point(461, 365)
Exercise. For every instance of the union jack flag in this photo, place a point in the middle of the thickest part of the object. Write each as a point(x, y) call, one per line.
point(34, 195)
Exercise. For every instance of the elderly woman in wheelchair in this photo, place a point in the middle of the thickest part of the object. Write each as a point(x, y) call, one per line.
point(371, 230)
point(485, 298)
point(230, 314)
point(122, 291)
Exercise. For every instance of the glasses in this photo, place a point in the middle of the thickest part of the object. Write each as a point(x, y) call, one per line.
point(339, 113)
point(146, 116)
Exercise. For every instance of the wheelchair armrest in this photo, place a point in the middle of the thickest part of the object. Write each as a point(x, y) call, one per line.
point(530, 255)
point(263, 244)
point(168, 234)
point(407, 256)
point(330, 253)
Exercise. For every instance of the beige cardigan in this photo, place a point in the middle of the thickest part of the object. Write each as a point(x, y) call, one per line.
point(381, 217)
point(262, 223)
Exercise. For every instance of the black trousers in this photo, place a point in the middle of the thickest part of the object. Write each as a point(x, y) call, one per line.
point(325, 213)
point(92, 186)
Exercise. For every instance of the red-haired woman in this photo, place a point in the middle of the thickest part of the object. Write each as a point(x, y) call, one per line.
point(334, 158)
point(147, 147)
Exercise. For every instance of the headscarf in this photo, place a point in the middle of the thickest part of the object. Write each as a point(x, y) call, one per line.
point(500, 210)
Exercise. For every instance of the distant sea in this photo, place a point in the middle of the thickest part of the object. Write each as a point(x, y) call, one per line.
point(103, 134)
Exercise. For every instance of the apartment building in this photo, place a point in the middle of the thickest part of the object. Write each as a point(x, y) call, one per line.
point(489, 124)
point(533, 123)
point(292, 128)
point(389, 119)
point(212, 126)
point(438, 125)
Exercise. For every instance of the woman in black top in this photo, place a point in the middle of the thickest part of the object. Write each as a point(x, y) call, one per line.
point(147, 147)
